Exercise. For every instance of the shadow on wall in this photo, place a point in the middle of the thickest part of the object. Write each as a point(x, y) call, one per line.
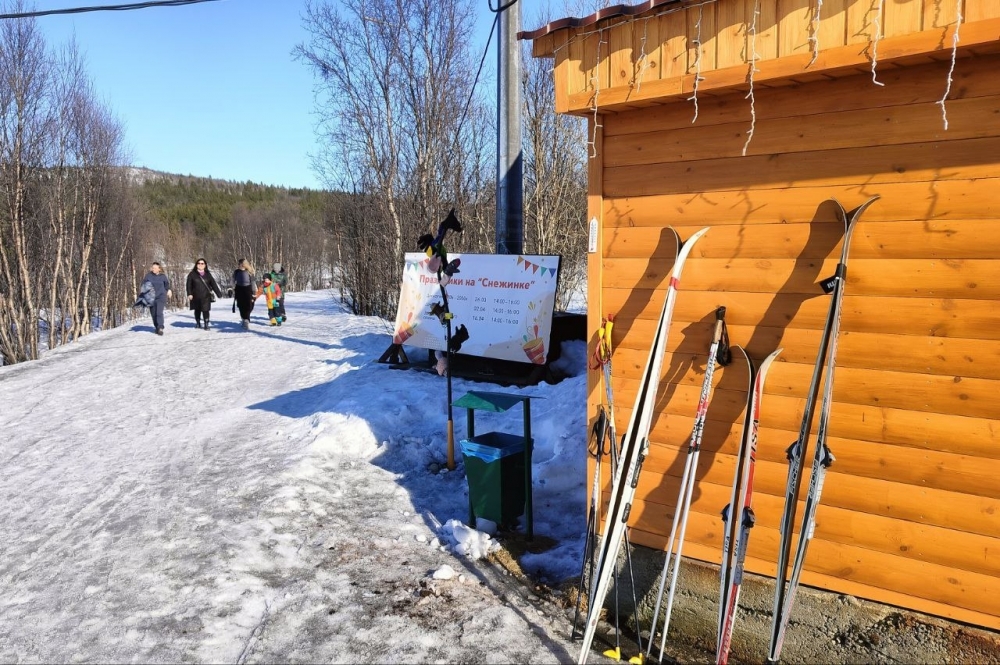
point(727, 409)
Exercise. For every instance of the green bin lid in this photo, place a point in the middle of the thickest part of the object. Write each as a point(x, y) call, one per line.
point(487, 401)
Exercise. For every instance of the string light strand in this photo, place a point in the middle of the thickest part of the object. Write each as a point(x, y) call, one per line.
point(877, 23)
point(954, 58)
point(754, 56)
point(596, 80)
point(643, 58)
point(698, 78)
point(814, 36)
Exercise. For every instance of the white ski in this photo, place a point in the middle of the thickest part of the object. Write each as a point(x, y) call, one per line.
point(635, 445)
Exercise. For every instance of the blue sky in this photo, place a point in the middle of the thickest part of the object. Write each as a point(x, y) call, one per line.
point(209, 89)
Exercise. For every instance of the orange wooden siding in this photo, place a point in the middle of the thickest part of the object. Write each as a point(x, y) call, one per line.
point(911, 508)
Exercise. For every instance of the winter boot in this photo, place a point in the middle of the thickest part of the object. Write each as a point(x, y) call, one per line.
point(207, 324)
point(274, 322)
point(245, 323)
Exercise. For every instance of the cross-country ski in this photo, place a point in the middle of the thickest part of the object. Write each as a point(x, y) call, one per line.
point(738, 516)
point(634, 448)
point(785, 585)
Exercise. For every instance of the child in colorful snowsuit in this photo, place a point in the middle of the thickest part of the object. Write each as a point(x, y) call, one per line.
point(281, 279)
point(272, 295)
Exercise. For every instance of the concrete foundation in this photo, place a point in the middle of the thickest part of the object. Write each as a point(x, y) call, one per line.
point(825, 627)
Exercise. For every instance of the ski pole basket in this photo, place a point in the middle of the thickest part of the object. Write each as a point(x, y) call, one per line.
point(497, 464)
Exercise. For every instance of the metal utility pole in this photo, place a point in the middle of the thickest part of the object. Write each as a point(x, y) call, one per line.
point(510, 199)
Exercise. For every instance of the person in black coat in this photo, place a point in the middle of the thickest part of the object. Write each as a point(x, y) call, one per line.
point(200, 287)
point(244, 291)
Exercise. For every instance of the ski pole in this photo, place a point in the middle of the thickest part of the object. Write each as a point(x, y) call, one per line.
point(598, 432)
point(683, 505)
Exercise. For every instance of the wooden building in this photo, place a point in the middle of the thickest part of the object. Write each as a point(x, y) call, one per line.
point(745, 116)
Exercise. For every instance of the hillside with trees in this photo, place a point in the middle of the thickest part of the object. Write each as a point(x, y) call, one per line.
point(225, 221)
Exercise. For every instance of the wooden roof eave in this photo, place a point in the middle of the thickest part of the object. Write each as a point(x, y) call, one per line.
point(974, 38)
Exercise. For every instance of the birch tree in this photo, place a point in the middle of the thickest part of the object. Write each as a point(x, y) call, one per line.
point(394, 77)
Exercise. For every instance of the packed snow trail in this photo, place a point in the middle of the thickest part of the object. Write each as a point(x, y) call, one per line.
point(231, 496)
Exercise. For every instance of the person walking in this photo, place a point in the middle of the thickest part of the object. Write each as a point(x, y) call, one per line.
point(271, 293)
point(243, 291)
point(201, 292)
point(161, 290)
point(279, 277)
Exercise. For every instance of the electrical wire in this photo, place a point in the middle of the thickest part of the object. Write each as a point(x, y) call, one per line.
point(502, 8)
point(106, 8)
point(479, 71)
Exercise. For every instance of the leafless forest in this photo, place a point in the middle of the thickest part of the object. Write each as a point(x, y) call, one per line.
point(405, 133)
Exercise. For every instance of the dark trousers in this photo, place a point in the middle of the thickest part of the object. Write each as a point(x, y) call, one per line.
point(199, 315)
point(156, 311)
point(244, 300)
point(281, 306)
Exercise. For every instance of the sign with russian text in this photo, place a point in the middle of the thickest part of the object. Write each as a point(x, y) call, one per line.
point(505, 302)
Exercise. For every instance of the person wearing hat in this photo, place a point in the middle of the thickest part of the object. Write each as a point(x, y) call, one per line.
point(272, 293)
point(278, 277)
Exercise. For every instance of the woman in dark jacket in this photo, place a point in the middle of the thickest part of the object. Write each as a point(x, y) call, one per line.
point(244, 291)
point(200, 286)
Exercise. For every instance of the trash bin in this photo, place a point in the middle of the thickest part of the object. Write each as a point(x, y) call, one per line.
point(494, 467)
point(498, 465)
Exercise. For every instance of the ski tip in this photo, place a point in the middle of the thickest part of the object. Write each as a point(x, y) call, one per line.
point(770, 359)
point(695, 237)
point(615, 654)
point(854, 214)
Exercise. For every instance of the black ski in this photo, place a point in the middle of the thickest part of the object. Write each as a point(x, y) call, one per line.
point(785, 586)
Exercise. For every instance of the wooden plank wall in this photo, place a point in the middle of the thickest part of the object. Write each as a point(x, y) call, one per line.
point(616, 58)
point(911, 508)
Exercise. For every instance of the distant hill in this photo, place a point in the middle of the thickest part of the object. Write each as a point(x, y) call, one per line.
point(207, 204)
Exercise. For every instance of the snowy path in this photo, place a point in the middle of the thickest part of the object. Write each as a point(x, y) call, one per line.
point(247, 497)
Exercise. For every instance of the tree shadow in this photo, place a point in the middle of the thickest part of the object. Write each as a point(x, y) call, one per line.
point(766, 336)
point(667, 246)
point(727, 410)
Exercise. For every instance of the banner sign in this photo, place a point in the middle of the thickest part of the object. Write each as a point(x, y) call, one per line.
point(505, 301)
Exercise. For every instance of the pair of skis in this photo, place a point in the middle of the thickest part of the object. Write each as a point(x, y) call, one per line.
point(787, 583)
point(634, 448)
point(738, 516)
point(718, 351)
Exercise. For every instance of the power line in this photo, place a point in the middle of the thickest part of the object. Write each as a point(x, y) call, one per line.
point(501, 8)
point(479, 71)
point(106, 8)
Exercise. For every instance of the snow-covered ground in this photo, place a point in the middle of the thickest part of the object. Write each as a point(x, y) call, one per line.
point(231, 496)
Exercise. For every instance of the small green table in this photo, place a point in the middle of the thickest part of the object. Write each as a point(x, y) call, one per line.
point(492, 458)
